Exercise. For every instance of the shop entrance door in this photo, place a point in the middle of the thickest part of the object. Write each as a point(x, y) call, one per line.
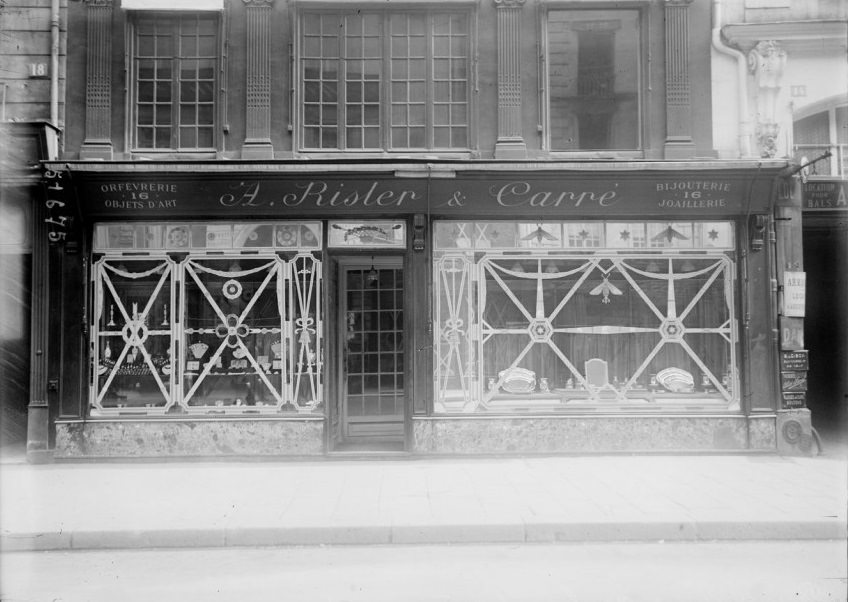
point(370, 323)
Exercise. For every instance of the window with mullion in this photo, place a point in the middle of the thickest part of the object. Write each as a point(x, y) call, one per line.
point(175, 73)
point(363, 65)
point(384, 80)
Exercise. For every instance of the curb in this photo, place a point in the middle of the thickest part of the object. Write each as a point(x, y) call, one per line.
point(518, 533)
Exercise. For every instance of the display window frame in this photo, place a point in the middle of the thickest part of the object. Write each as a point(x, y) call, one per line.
point(595, 329)
point(206, 331)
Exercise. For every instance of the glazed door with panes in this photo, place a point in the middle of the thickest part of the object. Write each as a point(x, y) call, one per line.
point(372, 359)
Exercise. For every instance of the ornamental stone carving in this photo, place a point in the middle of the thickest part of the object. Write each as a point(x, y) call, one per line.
point(767, 62)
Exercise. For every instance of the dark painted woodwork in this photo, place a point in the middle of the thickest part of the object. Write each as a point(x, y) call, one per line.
point(420, 311)
point(74, 355)
point(42, 328)
point(515, 193)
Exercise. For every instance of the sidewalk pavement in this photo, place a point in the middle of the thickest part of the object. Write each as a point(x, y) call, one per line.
point(422, 500)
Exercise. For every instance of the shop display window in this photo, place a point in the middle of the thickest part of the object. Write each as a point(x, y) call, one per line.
point(229, 326)
point(642, 319)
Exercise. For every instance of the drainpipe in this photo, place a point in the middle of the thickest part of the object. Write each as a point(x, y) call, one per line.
point(54, 63)
point(741, 79)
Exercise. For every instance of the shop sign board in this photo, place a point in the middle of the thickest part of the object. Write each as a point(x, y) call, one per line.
point(791, 333)
point(529, 195)
point(792, 380)
point(794, 399)
point(827, 195)
point(795, 360)
point(794, 294)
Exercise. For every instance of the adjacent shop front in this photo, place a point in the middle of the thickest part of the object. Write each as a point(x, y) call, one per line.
point(825, 261)
point(285, 309)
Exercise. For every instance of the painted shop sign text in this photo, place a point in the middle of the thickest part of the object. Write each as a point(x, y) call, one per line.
point(824, 196)
point(464, 195)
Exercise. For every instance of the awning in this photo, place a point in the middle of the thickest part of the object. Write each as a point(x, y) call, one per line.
point(190, 5)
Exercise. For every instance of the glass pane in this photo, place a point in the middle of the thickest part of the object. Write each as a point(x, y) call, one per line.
point(311, 91)
point(206, 46)
point(163, 70)
point(329, 138)
point(205, 114)
point(146, 70)
point(593, 100)
point(188, 91)
point(145, 138)
point(417, 138)
point(188, 114)
point(205, 137)
point(145, 115)
point(163, 138)
point(163, 92)
point(399, 92)
point(163, 115)
point(372, 114)
point(188, 138)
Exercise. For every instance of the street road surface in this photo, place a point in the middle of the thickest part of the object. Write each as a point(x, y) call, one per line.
point(773, 571)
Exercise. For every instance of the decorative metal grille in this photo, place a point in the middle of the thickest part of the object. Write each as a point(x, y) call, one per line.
point(559, 330)
point(245, 338)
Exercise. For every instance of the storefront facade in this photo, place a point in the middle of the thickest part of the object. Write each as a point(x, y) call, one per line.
point(377, 230)
point(419, 307)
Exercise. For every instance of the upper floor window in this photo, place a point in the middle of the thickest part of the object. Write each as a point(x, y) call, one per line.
point(384, 80)
point(593, 79)
point(174, 62)
point(817, 133)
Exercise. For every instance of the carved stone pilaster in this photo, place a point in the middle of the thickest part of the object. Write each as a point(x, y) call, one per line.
point(766, 62)
point(510, 143)
point(678, 102)
point(98, 81)
point(257, 143)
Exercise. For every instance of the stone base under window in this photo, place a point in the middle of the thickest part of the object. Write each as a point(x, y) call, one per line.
point(188, 438)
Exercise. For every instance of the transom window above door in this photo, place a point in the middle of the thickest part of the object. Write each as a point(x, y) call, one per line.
point(384, 80)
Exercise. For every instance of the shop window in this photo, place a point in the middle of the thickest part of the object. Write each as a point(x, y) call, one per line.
point(206, 318)
point(384, 80)
point(174, 81)
point(816, 134)
point(593, 79)
point(528, 318)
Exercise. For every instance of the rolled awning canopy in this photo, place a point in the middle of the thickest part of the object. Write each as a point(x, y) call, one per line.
point(192, 5)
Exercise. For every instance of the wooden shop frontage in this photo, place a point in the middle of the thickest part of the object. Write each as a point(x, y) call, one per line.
point(303, 309)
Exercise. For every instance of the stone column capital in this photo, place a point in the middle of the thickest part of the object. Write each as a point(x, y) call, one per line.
point(99, 2)
point(767, 61)
point(258, 3)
